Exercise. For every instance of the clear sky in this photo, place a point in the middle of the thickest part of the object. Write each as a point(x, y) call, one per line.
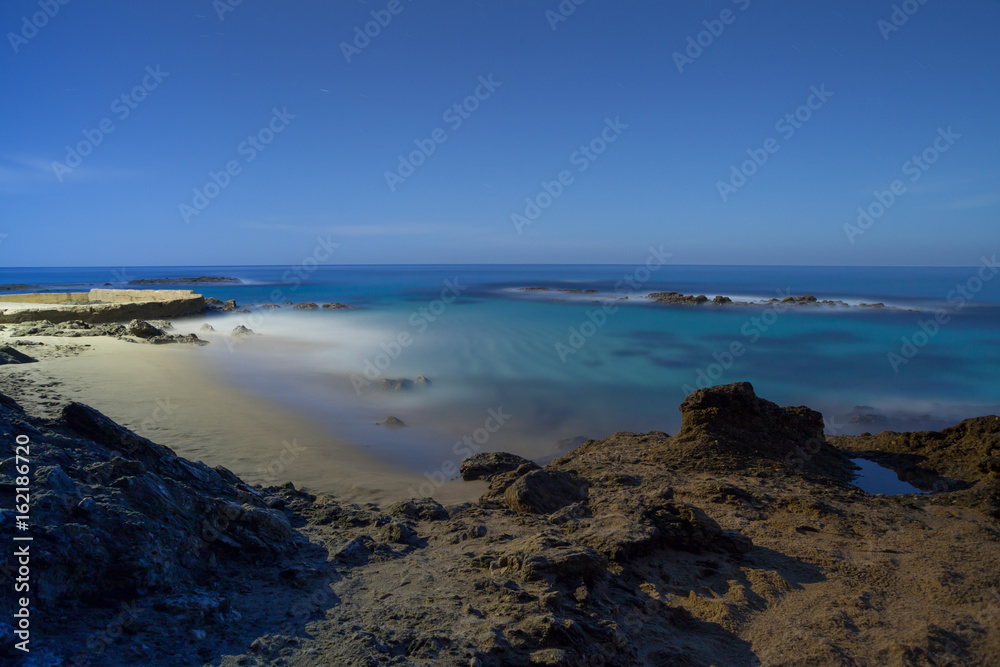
point(673, 129)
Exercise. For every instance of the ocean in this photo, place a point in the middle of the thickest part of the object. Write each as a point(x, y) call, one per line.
point(536, 371)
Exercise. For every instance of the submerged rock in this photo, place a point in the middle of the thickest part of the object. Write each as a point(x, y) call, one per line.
point(243, 331)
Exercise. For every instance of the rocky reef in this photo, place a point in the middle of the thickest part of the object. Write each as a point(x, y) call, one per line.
point(737, 541)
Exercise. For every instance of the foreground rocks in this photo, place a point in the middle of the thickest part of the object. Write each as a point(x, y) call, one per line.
point(140, 331)
point(711, 547)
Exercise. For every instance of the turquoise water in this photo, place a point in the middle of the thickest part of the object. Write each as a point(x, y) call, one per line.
point(566, 366)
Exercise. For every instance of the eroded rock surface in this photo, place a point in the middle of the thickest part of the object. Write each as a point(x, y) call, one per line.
point(626, 551)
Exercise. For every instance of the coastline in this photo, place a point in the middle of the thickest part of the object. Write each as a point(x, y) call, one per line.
point(163, 393)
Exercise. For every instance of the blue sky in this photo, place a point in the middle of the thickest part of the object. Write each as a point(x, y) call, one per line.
point(680, 131)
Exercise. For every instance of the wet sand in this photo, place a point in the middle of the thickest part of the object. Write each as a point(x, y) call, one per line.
point(166, 393)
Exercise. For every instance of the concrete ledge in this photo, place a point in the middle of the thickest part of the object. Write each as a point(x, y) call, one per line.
point(54, 298)
point(121, 306)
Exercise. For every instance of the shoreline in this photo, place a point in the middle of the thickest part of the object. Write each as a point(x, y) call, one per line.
point(163, 393)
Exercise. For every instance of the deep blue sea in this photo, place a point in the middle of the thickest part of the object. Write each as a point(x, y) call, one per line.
point(557, 366)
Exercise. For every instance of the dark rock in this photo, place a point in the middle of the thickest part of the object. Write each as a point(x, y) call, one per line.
point(142, 329)
point(678, 298)
point(544, 491)
point(393, 422)
point(306, 306)
point(732, 420)
point(720, 300)
point(337, 306)
point(243, 331)
point(230, 305)
point(487, 464)
point(418, 509)
point(10, 355)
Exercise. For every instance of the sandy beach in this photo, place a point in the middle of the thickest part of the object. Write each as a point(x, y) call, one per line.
point(165, 393)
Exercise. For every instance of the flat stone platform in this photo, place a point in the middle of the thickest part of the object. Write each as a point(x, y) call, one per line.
point(100, 305)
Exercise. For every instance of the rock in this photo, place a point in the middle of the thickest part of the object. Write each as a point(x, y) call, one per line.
point(207, 328)
point(487, 464)
point(337, 306)
point(730, 420)
point(212, 301)
point(230, 305)
point(721, 300)
point(306, 306)
point(163, 325)
point(544, 491)
point(200, 280)
point(805, 298)
point(554, 657)
point(10, 355)
point(418, 509)
point(268, 306)
point(243, 331)
point(422, 381)
point(393, 422)
point(678, 298)
point(142, 329)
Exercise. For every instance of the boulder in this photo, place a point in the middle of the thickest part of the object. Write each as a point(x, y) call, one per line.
point(393, 422)
point(242, 331)
point(142, 329)
point(10, 355)
point(731, 424)
point(487, 464)
point(306, 306)
point(544, 492)
point(336, 306)
point(207, 328)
